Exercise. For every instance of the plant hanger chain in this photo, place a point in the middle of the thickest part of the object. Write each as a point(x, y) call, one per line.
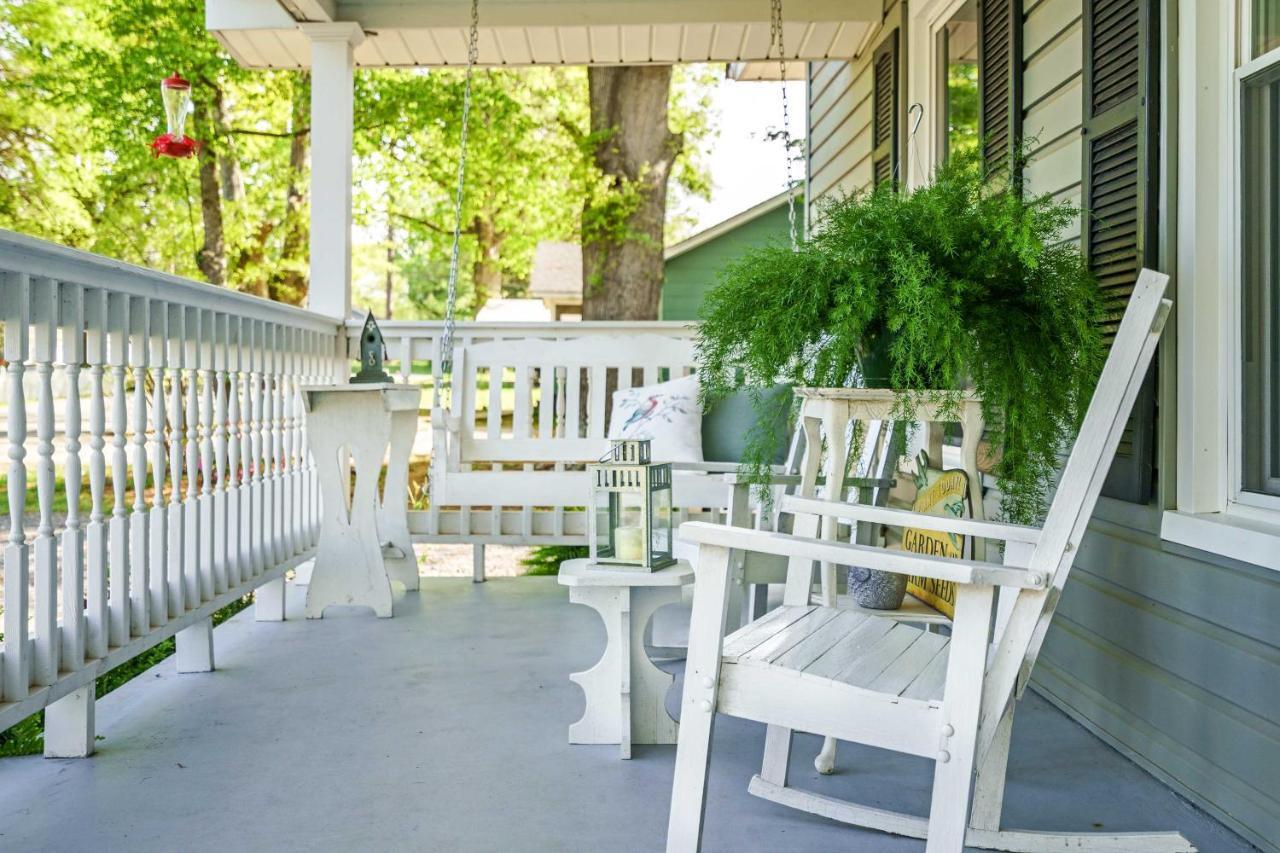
point(775, 41)
point(446, 342)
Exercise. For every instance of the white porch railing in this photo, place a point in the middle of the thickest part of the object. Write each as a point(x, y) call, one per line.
point(191, 402)
point(179, 404)
point(411, 342)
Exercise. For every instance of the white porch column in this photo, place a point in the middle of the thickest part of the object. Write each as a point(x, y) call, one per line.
point(332, 84)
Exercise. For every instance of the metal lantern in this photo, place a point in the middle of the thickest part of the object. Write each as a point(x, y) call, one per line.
point(630, 518)
point(175, 92)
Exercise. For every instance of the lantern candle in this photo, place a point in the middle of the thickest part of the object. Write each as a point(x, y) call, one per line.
point(629, 542)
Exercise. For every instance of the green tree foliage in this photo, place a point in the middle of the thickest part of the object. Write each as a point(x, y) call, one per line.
point(80, 103)
point(959, 283)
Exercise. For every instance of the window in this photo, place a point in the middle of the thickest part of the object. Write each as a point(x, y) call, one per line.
point(960, 87)
point(1260, 273)
point(1265, 23)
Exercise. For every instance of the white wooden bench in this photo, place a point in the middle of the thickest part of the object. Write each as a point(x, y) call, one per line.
point(522, 482)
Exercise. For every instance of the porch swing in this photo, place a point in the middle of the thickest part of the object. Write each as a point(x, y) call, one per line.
point(524, 485)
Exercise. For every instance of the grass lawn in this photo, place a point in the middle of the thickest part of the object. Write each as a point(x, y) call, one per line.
point(27, 737)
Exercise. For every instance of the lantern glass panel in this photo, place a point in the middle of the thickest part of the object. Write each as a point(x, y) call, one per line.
point(602, 529)
point(660, 523)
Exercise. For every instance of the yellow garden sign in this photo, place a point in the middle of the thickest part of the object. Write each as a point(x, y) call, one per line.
point(940, 493)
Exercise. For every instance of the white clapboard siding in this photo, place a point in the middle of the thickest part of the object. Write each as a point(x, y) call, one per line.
point(1052, 97)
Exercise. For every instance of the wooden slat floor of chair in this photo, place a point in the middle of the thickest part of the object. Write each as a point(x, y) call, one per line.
point(864, 651)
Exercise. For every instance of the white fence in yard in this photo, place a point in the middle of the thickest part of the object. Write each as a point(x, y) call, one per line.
point(180, 401)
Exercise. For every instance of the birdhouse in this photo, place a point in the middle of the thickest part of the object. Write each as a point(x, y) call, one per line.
point(373, 353)
point(630, 518)
point(175, 93)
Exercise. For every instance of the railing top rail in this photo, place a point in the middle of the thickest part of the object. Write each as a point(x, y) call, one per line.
point(21, 253)
point(573, 328)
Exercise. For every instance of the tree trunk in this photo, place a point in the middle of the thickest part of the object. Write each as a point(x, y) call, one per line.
point(292, 281)
point(487, 270)
point(622, 230)
point(228, 162)
point(212, 256)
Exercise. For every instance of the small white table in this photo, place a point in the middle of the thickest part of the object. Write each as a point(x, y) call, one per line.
point(364, 536)
point(626, 693)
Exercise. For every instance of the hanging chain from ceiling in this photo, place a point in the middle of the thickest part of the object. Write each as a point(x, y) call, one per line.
point(775, 40)
point(446, 342)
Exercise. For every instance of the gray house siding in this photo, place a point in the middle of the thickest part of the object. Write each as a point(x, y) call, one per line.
point(1173, 656)
point(1170, 655)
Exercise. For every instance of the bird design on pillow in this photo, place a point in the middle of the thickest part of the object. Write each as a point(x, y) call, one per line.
point(640, 414)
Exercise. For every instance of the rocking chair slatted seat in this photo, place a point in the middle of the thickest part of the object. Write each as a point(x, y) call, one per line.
point(893, 685)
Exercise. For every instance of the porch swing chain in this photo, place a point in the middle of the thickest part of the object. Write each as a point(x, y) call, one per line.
point(775, 34)
point(446, 341)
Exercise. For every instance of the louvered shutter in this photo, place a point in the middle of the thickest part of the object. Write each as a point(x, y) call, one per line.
point(884, 118)
point(1119, 195)
point(999, 81)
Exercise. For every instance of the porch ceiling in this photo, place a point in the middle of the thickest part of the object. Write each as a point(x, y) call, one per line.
point(426, 33)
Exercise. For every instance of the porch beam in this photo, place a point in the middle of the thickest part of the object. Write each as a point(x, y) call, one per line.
point(576, 13)
point(312, 11)
point(332, 104)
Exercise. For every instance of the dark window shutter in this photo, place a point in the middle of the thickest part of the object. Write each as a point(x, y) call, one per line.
point(1119, 195)
point(884, 118)
point(999, 81)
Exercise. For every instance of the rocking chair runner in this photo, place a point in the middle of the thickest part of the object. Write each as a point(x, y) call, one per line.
point(891, 685)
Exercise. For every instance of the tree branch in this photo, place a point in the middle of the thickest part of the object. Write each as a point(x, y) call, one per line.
point(425, 223)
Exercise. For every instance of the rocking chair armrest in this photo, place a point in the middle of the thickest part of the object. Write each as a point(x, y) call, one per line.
point(998, 530)
point(848, 554)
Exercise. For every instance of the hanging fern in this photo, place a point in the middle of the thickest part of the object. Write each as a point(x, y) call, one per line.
point(961, 283)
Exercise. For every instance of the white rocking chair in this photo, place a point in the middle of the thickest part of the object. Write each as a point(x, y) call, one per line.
point(890, 684)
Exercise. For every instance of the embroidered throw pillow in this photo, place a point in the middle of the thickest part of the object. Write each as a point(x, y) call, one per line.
point(668, 414)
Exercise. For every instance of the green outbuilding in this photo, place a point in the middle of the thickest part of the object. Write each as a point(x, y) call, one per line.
point(694, 263)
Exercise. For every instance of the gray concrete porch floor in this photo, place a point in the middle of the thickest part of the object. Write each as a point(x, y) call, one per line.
point(444, 729)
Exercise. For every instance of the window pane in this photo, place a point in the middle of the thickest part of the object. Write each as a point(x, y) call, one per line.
point(1266, 26)
point(960, 54)
point(1260, 252)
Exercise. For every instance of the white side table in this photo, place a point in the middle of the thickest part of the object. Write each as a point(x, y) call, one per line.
point(626, 693)
point(364, 536)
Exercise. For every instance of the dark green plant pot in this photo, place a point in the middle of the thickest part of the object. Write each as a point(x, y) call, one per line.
point(874, 361)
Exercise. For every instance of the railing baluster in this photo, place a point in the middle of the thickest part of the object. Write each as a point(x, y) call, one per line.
point(158, 527)
point(277, 444)
point(118, 567)
point(227, 575)
point(248, 553)
point(98, 616)
point(44, 317)
point(17, 663)
point(198, 589)
point(289, 506)
point(180, 594)
point(213, 582)
point(73, 615)
point(238, 568)
point(258, 538)
point(139, 523)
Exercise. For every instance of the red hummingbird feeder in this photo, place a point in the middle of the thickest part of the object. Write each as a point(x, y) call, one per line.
point(175, 92)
